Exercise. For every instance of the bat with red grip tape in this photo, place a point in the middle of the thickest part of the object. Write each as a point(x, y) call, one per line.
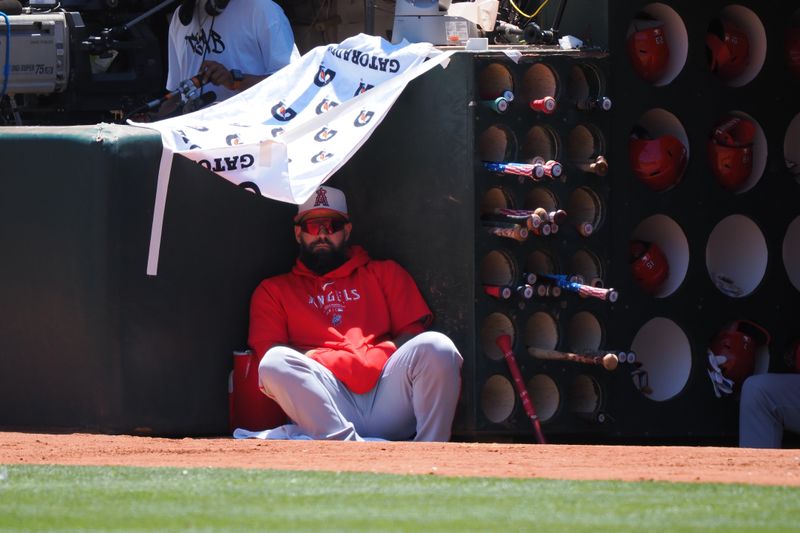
point(600, 293)
point(504, 343)
point(608, 361)
point(546, 105)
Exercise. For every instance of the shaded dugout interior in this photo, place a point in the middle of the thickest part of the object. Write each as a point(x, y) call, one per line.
point(89, 342)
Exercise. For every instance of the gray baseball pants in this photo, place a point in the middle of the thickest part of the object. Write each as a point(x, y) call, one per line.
point(770, 403)
point(416, 395)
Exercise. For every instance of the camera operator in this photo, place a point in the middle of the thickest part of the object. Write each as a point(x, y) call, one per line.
point(229, 45)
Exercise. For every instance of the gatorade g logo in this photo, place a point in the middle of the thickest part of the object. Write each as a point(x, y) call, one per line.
point(363, 118)
point(283, 113)
point(250, 186)
point(186, 140)
point(325, 134)
point(232, 139)
point(326, 105)
point(276, 131)
point(320, 157)
point(362, 88)
point(324, 76)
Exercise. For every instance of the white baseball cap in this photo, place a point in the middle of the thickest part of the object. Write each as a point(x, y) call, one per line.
point(325, 201)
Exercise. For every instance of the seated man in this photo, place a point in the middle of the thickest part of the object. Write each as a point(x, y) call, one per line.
point(345, 351)
point(770, 404)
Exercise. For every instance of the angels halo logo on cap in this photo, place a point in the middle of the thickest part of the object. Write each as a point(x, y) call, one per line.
point(321, 198)
point(324, 201)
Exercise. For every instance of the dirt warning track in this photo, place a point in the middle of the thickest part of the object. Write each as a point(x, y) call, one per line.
point(553, 461)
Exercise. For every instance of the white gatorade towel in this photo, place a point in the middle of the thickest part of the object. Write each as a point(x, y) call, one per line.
point(287, 135)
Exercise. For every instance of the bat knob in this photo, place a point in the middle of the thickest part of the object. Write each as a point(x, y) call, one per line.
point(610, 361)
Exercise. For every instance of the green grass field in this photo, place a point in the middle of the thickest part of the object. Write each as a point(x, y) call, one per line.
point(60, 498)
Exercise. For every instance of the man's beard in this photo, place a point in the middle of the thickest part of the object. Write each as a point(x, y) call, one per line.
point(322, 261)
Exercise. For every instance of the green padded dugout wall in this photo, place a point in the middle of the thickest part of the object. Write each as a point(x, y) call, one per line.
point(88, 341)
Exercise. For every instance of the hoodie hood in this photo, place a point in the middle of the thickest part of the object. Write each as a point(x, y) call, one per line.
point(358, 257)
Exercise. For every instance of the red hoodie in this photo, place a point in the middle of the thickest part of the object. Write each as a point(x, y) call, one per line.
point(348, 317)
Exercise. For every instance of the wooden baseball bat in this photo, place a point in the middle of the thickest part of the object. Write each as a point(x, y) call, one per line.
point(504, 343)
point(609, 361)
point(515, 231)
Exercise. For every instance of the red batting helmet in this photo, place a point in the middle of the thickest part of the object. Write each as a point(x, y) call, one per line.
point(728, 49)
point(791, 46)
point(730, 151)
point(738, 342)
point(648, 50)
point(648, 264)
point(659, 163)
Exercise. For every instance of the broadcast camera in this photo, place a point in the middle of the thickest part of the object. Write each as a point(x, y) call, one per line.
point(79, 61)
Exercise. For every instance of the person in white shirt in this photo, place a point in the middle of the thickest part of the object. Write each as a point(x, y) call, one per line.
point(229, 45)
